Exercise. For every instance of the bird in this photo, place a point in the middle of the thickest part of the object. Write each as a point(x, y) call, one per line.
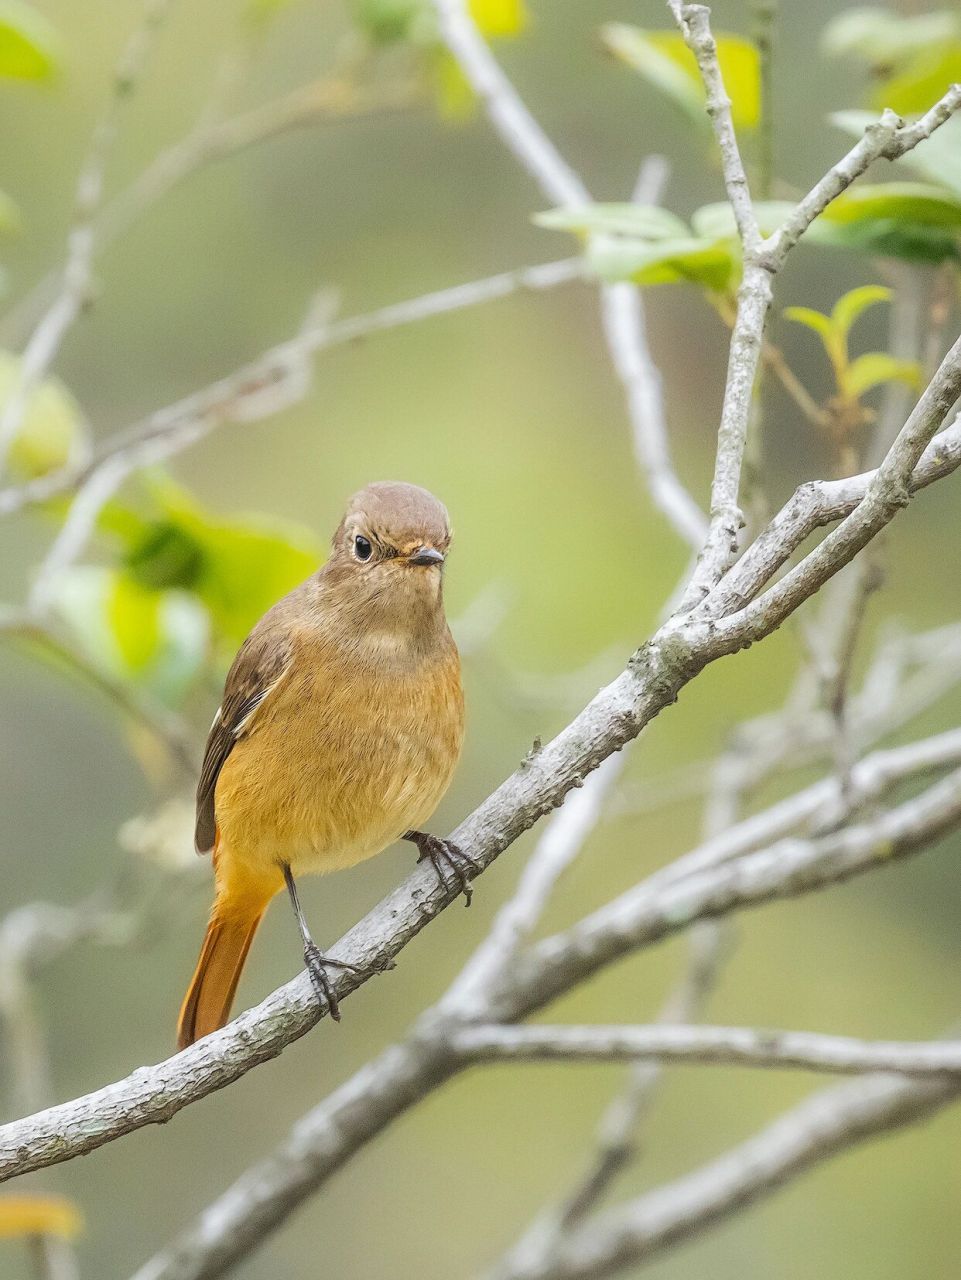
point(340, 728)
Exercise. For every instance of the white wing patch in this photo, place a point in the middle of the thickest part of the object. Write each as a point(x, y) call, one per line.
point(255, 703)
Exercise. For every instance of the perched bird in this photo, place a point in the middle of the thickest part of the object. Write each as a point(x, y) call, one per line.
point(340, 727)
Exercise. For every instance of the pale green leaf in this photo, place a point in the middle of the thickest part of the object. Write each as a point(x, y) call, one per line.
point(877, 367)
point(645, 222)
point(885, 38)
point(851, 305)
point(29, 47)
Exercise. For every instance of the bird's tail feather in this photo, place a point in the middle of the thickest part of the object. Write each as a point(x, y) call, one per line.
point(210, 995)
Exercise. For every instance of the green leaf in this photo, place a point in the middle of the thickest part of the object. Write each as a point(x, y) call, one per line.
point(29, 48)
point(665, 62)
point(713, 220)
point(52, 431)
point(851, 305)
point(884, 38)
point(646, 222)
point(877, 367)
point(713, 264)
point(811, 319)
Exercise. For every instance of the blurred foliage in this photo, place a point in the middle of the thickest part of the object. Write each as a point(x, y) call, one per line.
point(911, 57)
point(184, 581)
point(37, 1215)
point(52, 432)
point(29, 48)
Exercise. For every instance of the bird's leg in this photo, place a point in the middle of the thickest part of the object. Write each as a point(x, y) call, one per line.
point(444, 855)
point(315, 960)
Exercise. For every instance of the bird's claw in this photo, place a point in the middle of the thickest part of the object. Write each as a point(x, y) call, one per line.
point(444, 855)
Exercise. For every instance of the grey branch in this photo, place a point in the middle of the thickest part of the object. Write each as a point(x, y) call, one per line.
point(732, 1046)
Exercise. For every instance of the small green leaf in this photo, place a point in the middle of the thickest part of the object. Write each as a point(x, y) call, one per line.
point(853, 304)
point(29, 48)
point(664, 60)
point(877, 367)
point(645, 222)
point(811, 319)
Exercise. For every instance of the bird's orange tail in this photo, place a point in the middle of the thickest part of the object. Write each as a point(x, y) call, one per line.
point(210, 995)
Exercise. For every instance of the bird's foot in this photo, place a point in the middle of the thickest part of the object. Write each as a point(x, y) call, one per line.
point(317, 965)
point(445, 856)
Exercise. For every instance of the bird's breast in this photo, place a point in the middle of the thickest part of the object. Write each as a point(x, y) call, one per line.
point(354, 750)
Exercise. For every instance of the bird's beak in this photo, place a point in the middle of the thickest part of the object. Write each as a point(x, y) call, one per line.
point(426, 556)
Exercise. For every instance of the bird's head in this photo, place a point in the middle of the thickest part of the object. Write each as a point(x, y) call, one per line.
point(391, 546)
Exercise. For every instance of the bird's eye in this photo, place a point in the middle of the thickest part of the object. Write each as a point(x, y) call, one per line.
point(362, 548)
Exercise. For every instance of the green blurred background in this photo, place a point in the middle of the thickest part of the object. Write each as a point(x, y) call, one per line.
point(509, 412)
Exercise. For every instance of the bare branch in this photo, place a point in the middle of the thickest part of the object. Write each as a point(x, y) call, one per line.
point(733, 1046)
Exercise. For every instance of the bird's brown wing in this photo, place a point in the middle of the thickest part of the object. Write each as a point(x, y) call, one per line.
point(261, 664)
